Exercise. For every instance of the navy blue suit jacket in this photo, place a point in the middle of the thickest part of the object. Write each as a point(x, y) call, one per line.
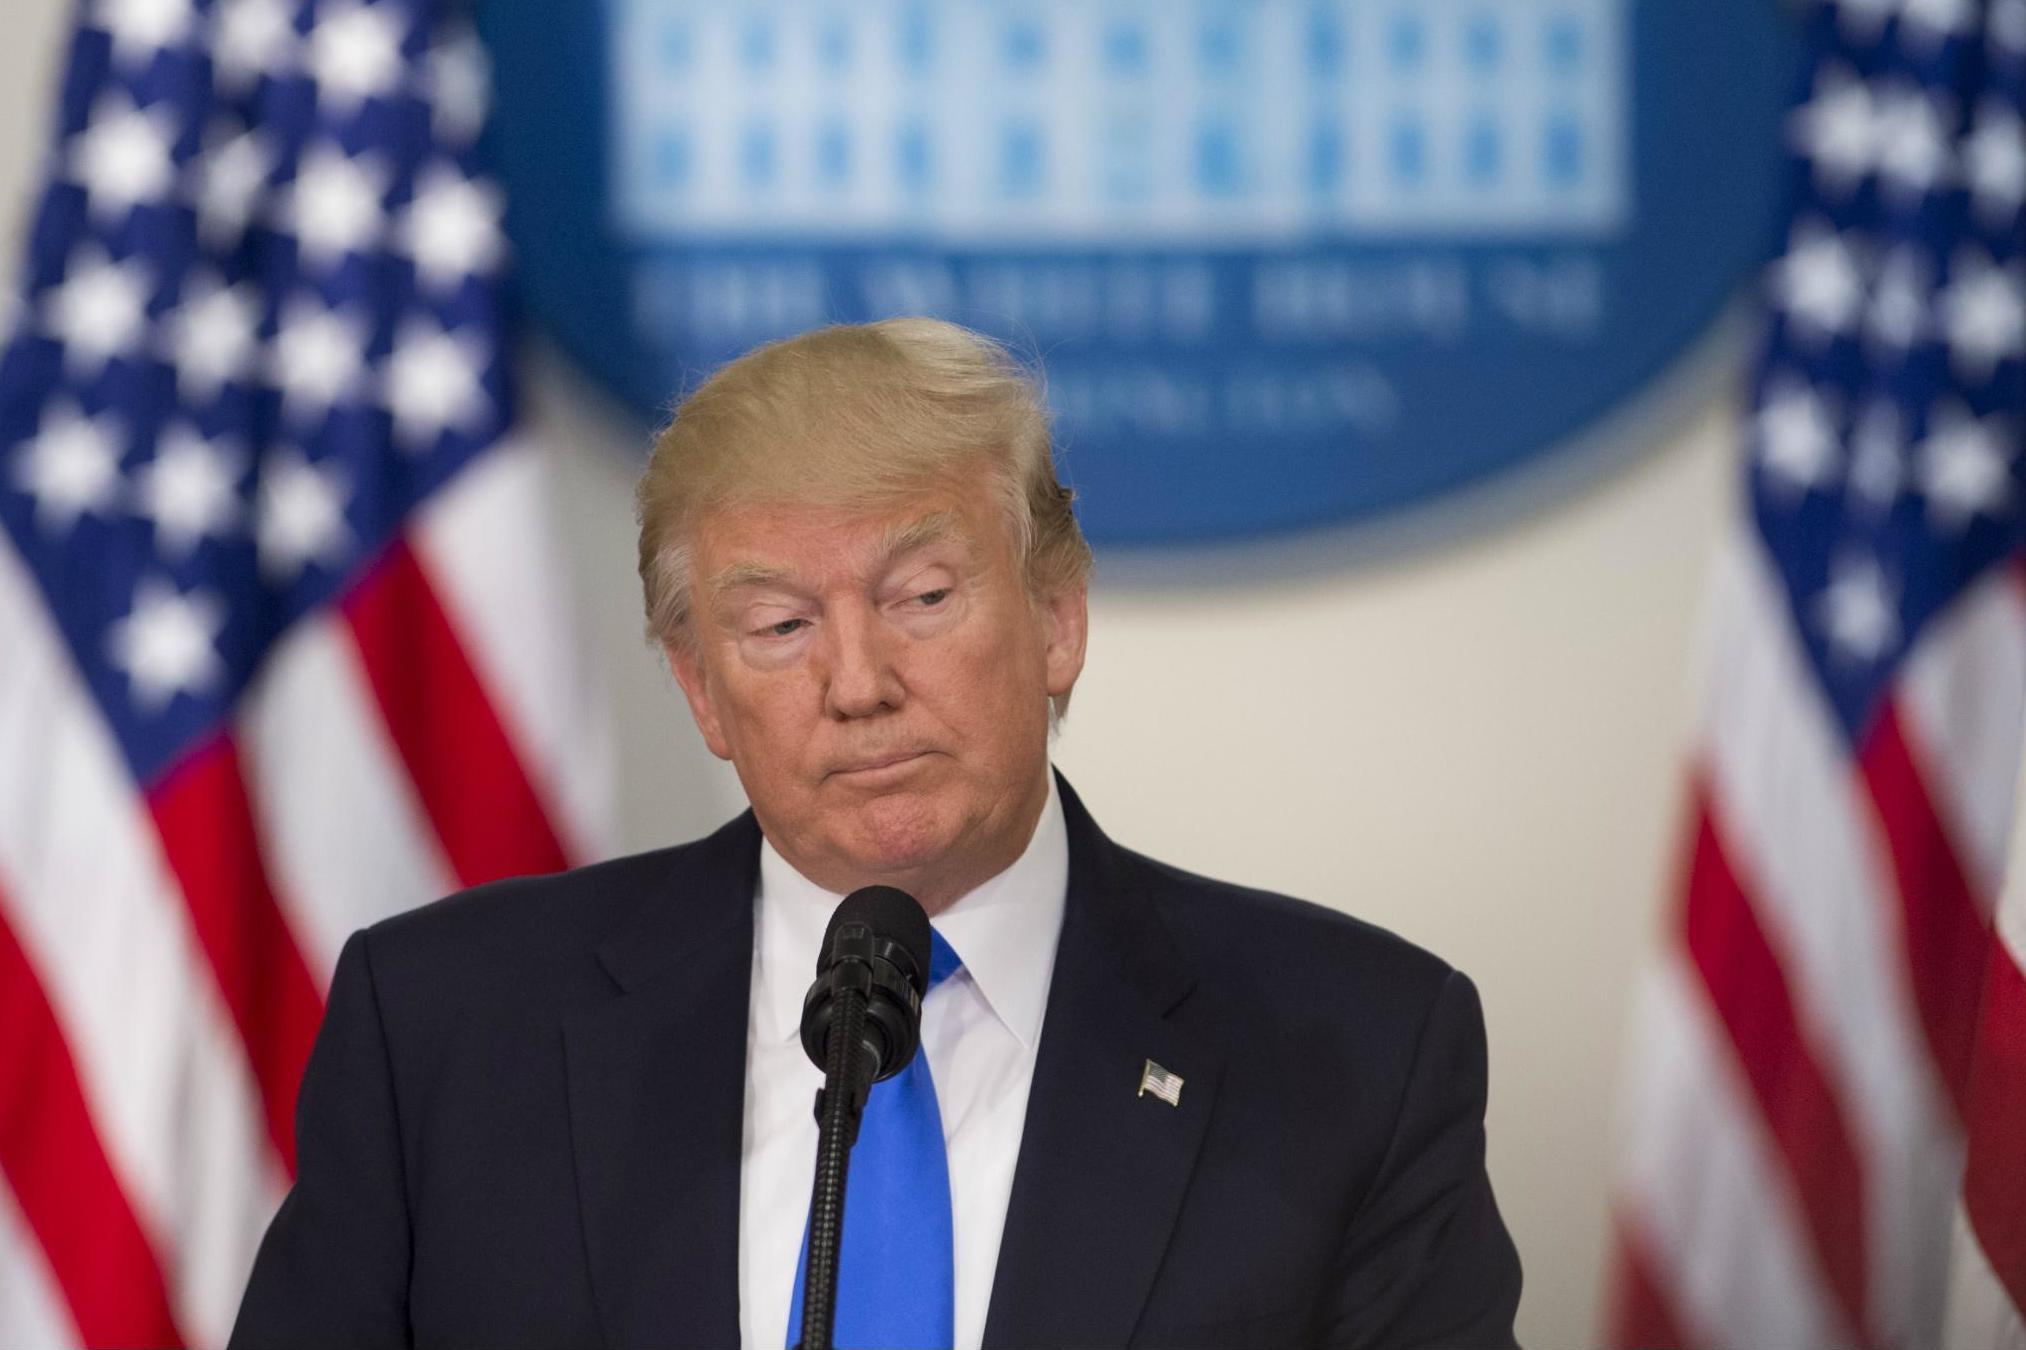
point(521, 1125)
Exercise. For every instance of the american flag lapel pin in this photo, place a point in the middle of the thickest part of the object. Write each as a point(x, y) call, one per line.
point(1163, 1083)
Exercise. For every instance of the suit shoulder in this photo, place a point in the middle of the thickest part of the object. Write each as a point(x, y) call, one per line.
point(523, 926)
point(1313, 995)
point(527, 910)
point(1291, 944)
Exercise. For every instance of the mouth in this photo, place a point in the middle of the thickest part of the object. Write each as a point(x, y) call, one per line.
point(880, 768)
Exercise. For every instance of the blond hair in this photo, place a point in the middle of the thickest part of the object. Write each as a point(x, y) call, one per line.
point(854, 416)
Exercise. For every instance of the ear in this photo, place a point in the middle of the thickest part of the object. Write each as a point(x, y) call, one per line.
point(689, 670)
point(1065, 615)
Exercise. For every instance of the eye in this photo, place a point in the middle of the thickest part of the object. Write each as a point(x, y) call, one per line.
point(785, 628)
point(930, 599)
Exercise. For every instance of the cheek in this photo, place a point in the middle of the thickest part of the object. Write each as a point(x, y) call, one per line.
point(997, 689)
point(1020, 665)
point(763, 718)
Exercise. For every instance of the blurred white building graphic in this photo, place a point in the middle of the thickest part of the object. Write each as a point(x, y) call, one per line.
point(1085, 120)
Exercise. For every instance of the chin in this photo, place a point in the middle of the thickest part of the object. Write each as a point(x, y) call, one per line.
point(900, 833)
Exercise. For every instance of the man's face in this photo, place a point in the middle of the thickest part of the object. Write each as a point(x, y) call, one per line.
point(880, 681)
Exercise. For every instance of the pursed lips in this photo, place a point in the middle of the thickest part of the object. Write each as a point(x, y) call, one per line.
point(881, 762)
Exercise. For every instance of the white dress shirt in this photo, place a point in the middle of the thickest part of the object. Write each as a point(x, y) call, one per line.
point(980, 1029)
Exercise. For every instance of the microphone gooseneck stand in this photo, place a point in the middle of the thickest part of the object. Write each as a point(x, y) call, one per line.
point(861, 1022)
point(839, 1108)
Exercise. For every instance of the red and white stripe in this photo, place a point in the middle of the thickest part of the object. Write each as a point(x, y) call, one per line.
point(487, 541)
point(1985, 1307)
point(1756, 1283)
point(1817, 1005)
point(164, 953)
point(30, 1313)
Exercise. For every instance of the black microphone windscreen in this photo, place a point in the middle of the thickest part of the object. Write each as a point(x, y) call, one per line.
point(889, 913)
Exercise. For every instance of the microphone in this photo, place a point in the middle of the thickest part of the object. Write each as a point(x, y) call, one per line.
point(861, 1022)
point(876, 948)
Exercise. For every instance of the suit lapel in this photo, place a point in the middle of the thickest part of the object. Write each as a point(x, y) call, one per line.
point(657, 1103)
point(1102, 1169)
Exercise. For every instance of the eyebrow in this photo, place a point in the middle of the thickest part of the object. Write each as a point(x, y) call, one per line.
point(936, 528)
point(896, 542)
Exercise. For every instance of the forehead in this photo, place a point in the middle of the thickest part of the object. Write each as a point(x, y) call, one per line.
point(754, 543)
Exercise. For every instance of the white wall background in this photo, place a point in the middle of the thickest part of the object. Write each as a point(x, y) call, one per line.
point(1477, 744)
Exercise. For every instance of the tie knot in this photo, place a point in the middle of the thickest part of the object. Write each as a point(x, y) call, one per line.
point(943, 959)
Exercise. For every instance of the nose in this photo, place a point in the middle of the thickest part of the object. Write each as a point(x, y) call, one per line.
point(862, 678)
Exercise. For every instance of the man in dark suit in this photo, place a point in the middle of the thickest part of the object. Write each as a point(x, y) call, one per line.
point(568, 1110)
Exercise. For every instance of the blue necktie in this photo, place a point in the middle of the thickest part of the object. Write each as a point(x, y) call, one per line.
point(896, 1268)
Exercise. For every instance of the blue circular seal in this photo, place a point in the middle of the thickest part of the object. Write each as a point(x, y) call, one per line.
point(1286, 264)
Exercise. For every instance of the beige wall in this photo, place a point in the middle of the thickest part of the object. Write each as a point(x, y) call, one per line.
point(1477, 744)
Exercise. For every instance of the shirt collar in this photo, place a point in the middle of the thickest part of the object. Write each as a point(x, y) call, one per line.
point(1005, 930)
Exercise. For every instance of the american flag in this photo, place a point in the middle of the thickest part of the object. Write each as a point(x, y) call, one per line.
point(281, 641)
point(1826, 1140)
point(1163, 1083)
